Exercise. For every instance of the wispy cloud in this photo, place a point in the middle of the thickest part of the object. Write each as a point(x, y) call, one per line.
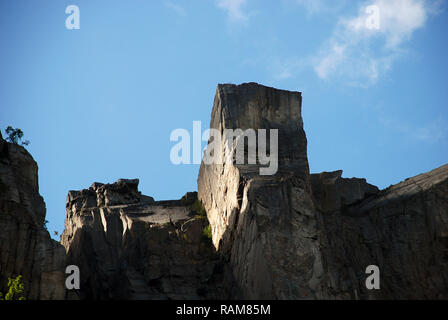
point(312, 6)
point(176, 8)
point(432, 131)
point(285, 69)
point(235, 9)
point(398, 19)
point(359, 52)
point(319, 6)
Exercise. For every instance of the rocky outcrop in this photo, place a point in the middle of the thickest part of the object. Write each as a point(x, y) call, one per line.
point(25, 245)
point(403, 230)
point(267, 225)
point(332, 192)
point(285, 235)
point(128, 246)
point(293, 235)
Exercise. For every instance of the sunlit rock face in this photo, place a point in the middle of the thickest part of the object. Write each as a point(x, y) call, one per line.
point(128, 246)
point(25, 245)
point(288, 235)
point(267, 225)
point(293, 235)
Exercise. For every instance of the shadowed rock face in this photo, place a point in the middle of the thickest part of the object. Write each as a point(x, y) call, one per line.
point(293, 235)
point(129, 246)
point(25, 245)
point(267, 226)
point(331, 192)
point(403, 230)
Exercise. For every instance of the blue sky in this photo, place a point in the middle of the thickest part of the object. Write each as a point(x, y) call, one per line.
point(99, 103)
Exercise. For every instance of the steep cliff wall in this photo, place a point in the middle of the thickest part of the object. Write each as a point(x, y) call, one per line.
point(267, 225)
point(289, 235)
point(403, 230)
point(25, 245)
point(128, 246)
point(293, 235)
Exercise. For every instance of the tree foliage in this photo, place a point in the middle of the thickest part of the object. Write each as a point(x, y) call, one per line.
point(207, 232)
point(199, 209)
point(15, 289)
point(15, 136)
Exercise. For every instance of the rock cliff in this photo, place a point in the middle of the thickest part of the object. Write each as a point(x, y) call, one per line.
point(293, 235)
point(286, 235)
point(25, 245)
point(402, 229)
point(266, 225)
point(128, 246)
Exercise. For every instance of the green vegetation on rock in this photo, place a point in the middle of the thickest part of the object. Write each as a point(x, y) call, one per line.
point(198, 209)
point(15, 289)
point(207, 232)
point(15, 136)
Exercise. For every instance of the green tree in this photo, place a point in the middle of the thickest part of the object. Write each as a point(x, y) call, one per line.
point(15, 289)
point(199, 209)
point(15, 136)
point(207, 232)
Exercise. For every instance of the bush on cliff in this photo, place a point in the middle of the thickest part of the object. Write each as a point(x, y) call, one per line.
point(199, 209)
point(15, 289)
point(15, 136)
point(207, 232)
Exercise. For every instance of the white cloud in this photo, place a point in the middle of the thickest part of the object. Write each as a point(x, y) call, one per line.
point(398, 20)
point(432, 131)
point(175, 7)
point(283, 69)
point(359, 54)
point(330, 61)
point(319, 6)
point(234, 9)
point(311, 6)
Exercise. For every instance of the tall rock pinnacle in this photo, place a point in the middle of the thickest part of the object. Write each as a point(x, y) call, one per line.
point(266, 224)
point(277, 231)
point(292, 235)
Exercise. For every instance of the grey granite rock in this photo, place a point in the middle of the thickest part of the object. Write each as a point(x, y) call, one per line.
point(293, 235)
point(267, 226)
point(129, 246)
point(403, 230)
point(290, 235)
point(331, 192)
point(25, 245)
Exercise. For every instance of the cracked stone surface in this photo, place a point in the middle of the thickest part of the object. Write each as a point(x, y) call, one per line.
point(293, 235)
point(129, 246)
point(25, 245)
